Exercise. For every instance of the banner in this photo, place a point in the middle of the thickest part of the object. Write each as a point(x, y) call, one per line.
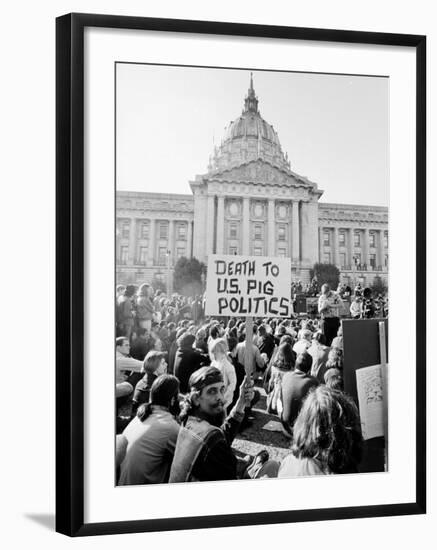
point(242, 286)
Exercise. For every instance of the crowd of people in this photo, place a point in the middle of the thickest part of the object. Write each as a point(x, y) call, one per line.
point(186, 385)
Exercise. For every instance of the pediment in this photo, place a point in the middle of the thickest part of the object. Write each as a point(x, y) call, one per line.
point(258, 172)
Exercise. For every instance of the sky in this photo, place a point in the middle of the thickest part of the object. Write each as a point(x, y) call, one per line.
point(333, 127)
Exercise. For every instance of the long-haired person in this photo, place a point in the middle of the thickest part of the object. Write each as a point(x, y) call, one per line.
point(326, 436)
point(150, 438)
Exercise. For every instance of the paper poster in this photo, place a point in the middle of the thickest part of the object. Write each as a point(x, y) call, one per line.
point(371, 401)
point(242, 286)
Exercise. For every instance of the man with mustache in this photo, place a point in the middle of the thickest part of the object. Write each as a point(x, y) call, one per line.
point(203, 448)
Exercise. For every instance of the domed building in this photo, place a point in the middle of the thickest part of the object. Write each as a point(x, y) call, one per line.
point(249, 202)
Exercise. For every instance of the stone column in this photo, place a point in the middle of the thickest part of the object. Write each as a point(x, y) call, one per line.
point(271, 228)
point(350, 250)
point(320, 244)
point(190, 239)
point(311, 248)
point(210, 211)
point(199, 226)
point(246, 225)
point(335, 260)
point(366, 247)
point(220, 224)
point(295, 231)
point(152, 241)
point(171, 247)
point(132, 241)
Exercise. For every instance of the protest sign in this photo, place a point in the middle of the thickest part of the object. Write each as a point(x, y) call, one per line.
point(248, 286)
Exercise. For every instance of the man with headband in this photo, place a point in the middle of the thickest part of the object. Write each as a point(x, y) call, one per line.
point(203, 448)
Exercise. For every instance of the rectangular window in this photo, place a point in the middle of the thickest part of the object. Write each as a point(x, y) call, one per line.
point(327, 257)
point(180, 252)
point(125, 230)
point(372, 240)
point(258, 233)
point(281, 233)
point(143, 255)
point(233, 231)
point(163, 230)
point(326, 238)
point(162, 255)
point(386, 240)
point(233, 250)
point(357, 260)
point(257, 251)
point(282, 253)
point(182, 232)
point(357, 239)
point(124, 253)
point(342, 238)
point(372, 260)
point(386, 260)
point(145, 230)
point(342, 259)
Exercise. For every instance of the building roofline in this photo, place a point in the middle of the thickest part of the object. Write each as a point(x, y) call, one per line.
point(153, 195)
point(352, 206)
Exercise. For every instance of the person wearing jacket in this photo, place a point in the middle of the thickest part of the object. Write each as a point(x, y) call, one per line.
point(203, 447)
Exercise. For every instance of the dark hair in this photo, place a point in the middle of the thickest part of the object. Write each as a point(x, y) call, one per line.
point(152, 360)
point(286, 339)
point(141, 331)
point(214, 332)
point(303, 362)
point(130, 290)
point(367, 292)
point(320, 338)
point(119, 341)
point(163, 390)
point(232, 342)
point(328, 429)
point(186, 341)
point(285, 358)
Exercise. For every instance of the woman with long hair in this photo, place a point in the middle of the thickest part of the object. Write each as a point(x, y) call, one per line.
point(327, 436)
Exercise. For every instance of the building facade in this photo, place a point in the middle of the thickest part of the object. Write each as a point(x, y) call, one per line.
point(251, 203)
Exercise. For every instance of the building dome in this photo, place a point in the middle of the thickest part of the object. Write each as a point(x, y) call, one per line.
point(248, 138)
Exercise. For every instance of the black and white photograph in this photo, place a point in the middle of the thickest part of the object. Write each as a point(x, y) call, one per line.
point(252, 263)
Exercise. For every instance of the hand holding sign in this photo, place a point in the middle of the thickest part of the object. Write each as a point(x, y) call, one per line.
point(246, 394)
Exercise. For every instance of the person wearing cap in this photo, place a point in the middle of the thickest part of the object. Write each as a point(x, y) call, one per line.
point(203, 448)
point(328, 307)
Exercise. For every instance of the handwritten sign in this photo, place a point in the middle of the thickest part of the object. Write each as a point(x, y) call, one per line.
point(370, 400)
point(254, 286)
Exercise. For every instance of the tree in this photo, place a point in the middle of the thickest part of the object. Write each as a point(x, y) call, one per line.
point(187, 277)
point(379, 286)
point(157, 284)
point(326, 273)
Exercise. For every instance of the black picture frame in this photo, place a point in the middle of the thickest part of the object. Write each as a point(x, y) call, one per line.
point(70, 272)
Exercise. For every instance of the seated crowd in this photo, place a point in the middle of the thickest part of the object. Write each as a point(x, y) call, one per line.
point(183, 394)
